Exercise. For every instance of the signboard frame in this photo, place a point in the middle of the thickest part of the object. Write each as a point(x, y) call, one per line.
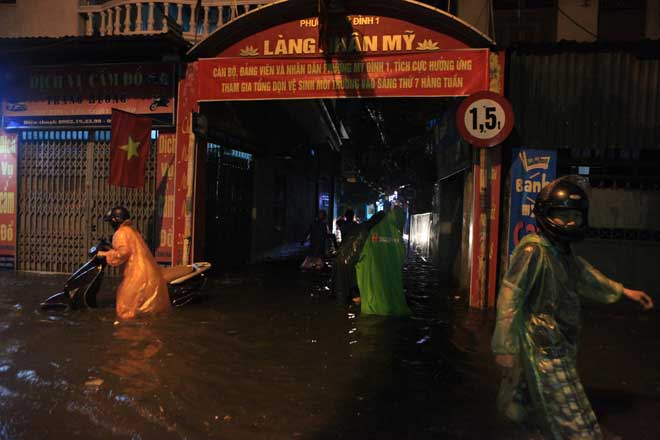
point(82, 96)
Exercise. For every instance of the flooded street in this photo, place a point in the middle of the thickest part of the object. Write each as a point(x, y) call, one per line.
point(270, 355)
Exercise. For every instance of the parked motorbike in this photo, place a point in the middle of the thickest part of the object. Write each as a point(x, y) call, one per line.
point(184, 283)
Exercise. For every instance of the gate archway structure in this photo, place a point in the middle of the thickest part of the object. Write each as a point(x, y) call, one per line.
point(358, 48)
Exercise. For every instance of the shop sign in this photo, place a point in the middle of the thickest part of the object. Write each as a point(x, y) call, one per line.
point(8, 200)
point(363, 56)
point(531, 170)
point(84, 96)
point(165, 196)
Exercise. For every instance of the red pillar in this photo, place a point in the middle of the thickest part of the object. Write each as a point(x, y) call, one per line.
point(183, 205)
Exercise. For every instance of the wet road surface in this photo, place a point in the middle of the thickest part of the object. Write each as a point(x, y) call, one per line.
point(270, 355)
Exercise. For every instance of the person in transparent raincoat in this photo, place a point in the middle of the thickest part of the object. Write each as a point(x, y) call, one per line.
point(143, 290)
point(538, 317)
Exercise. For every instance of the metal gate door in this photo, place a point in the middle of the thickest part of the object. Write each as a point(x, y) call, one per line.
point(229, 206)
point(63, 194)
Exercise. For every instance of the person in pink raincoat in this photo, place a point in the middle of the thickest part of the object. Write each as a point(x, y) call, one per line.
point(143, 290)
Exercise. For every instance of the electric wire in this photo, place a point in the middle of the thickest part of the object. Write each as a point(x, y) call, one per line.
point(572, 20)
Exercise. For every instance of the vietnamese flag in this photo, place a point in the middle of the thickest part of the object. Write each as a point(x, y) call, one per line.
point(129, 148)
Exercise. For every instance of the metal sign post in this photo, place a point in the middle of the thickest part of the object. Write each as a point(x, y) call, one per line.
point(483, 119)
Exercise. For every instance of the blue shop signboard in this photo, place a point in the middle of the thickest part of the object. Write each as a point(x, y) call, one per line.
point(531, 170)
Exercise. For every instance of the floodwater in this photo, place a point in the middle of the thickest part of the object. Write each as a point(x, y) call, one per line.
point(270, 355)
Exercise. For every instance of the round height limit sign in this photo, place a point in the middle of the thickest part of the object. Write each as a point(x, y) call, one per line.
point(484, 119)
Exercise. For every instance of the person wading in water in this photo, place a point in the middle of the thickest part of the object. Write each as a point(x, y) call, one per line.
point(143, 290)
point(538, 317)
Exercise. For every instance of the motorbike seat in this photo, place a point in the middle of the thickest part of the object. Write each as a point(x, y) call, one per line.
point(172, 273)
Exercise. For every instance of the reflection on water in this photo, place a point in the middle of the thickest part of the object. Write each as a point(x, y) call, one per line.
point(132, 358)
point(269, 355)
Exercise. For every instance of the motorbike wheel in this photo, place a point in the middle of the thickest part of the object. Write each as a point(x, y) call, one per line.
point(187, 293)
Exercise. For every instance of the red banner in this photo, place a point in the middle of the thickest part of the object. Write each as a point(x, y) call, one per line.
point(165, 196)
point(440, 73)
point(7, 200)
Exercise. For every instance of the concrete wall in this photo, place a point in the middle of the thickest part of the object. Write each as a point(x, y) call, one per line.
point(626, 209)
point(583, 12)
point(476, 13)
point(8, 20)
point(653, 19)
point(39, 18)
point(632, 262)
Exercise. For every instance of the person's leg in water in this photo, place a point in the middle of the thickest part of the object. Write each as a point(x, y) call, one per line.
point(355, 295)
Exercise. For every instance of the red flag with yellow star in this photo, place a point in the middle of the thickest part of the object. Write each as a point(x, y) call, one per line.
point(129, 148)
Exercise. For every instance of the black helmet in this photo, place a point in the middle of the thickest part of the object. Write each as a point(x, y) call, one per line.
point(563, 193)
point(116, 216)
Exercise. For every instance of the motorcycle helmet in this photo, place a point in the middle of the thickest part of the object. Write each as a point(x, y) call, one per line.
point(116, 216)
point(564, 193)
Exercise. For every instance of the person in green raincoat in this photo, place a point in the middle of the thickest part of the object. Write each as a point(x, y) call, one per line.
point(379, 268)
point(538, 317)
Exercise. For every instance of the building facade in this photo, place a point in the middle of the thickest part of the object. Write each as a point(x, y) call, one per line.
point(219, 166)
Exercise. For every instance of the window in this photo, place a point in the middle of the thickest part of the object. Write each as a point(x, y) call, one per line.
point(621, 20)
point(524, 21)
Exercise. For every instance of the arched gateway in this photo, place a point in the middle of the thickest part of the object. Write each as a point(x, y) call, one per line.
point(352, 49)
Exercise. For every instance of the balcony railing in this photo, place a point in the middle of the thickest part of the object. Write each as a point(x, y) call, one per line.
point(133, 17)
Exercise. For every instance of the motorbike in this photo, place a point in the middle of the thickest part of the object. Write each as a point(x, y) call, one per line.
point(184, 283)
